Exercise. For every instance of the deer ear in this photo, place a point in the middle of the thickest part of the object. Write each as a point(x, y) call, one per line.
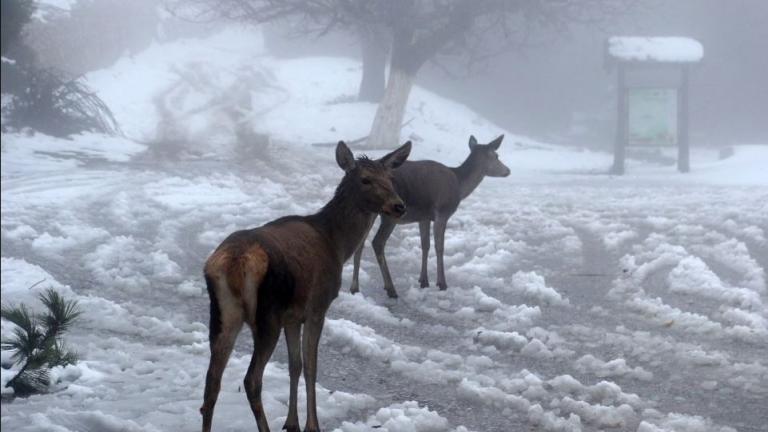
point(397, 157)
point(344, 157)
point(472, 142)
point(496, 143)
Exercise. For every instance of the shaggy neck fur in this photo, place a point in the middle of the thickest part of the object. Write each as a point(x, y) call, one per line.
point(343, 219)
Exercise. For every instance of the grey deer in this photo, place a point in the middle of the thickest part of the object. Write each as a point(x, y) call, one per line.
point(432, 192)
point(285, 274)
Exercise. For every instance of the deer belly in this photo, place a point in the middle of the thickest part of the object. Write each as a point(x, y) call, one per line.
point(415, 214)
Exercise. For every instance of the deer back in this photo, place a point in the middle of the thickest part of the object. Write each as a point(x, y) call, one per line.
point(426, 187)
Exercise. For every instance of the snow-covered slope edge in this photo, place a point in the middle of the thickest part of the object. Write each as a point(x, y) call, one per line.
point(206, 91)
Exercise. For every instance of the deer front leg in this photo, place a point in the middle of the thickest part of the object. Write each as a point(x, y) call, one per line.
point(293, 340)
point(440, 224)
point(379, 242)
point(355, 287)
point(424, 231)
point(265, 337)
point(313, 327)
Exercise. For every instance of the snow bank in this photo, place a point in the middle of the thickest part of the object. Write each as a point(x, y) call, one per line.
point(181, 86)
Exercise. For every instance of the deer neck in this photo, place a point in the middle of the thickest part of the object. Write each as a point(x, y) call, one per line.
point(470, 173)
point(343, 222)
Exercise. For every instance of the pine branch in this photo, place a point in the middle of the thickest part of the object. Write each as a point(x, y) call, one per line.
point(61, 313)
point(36, 341)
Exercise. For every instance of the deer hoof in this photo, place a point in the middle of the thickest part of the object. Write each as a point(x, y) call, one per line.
point(291, 428)
point(424, 283)
point(392, 294)
point(354, 287)
point(442, 285)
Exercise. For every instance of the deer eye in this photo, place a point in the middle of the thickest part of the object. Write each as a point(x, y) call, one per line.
point(366, 181)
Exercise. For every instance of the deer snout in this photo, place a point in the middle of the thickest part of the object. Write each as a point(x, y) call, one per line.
point(500, 170)
point(395, 209)
point(399, 209)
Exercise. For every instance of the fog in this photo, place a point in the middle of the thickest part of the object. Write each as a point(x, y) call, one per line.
point(540, 215)
point(558, 85)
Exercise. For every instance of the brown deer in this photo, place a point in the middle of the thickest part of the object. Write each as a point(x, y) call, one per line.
point(285, 274)
point(432, 192)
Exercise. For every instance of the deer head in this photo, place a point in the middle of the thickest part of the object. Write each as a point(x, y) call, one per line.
point(371, 179)
point(487, 157)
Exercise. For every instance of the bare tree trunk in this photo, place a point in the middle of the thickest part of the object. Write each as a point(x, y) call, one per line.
point(374, 45)
point(385, 132)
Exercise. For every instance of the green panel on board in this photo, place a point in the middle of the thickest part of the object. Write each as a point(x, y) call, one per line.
point(652, 117)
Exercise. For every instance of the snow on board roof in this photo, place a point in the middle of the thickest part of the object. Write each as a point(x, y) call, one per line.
point(655, 49)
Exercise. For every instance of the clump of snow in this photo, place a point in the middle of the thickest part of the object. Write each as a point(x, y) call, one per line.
point(693, 276)
point(612, 368)
point(402, 417)
point(735, 254)
point(532, 285)
point(190, 288)
point(66, 237)
point(655, 49)
point(7, 374)
point(500, 339)
point(604, 416)
point(359, 306)
point(120, 263)
point(675, 422)
point(363, 340)
point(64, 421)
point(24, 282)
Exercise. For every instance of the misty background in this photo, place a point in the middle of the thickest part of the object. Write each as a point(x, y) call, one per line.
point(554, 88)
point(559, 91)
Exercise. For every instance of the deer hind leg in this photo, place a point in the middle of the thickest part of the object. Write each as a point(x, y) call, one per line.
point(226, 322)
point(355, 287)
point(265, 336)
point(379, 242)
point(293, 340)
point(440, 223)
point(313, 327)
point(424, 231)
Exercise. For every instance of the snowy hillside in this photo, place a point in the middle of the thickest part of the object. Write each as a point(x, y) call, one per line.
point(577, 302)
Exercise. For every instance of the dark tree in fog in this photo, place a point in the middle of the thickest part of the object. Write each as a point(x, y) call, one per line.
point(315, 18)
point(417, 31)
point(375, 43)
point(475, 29)
point(15, 15)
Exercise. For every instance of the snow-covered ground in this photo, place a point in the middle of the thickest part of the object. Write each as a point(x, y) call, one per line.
point(577, 301)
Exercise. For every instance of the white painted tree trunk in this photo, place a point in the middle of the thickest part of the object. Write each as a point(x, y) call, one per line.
point(385, 132)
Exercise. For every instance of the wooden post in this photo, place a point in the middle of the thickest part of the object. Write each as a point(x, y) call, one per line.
point(619, 149)
point(683, 146)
